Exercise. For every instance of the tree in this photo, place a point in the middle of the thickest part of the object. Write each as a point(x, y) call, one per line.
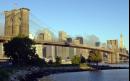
point(76, 59)
point(94, 57)
point(58, 60)
point(21, 51)
point(82, 59)
point(50, 62)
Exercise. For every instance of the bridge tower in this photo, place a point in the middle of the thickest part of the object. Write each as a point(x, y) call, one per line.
point(17, 22)
point(114, 57)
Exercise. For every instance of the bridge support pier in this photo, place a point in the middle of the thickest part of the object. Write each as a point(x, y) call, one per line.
point(102, 56)
point(110, 58)
point(1, 50)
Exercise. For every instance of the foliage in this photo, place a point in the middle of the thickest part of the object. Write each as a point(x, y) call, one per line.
point(76, 59)
point(50, 62)
point(94, 57)
point(58, 60)
point(21, 51)
point(82, 59)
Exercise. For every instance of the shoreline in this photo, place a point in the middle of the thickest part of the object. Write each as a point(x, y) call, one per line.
point(41, 73)
point(34, 73)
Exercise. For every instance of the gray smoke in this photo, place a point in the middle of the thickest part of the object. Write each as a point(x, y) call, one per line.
point(91, 40)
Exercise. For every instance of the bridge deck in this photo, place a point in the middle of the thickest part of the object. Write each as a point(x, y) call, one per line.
point(74, 46)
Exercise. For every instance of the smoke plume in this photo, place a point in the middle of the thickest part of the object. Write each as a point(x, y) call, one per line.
point(91, 40)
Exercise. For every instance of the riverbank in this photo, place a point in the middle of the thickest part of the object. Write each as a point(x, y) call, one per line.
point(33, 73)
point(48, 71)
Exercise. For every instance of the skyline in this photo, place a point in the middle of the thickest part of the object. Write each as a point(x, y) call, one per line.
point(106, 19)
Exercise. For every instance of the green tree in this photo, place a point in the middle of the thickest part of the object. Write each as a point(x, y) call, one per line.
point(94, 57)
point(21, 51)
point(76, 59)
point(82, 59)
point(58, 60)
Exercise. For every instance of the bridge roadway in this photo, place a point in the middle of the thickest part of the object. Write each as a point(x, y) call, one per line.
point(73, 45)
point(124, 55)
point(3, 39)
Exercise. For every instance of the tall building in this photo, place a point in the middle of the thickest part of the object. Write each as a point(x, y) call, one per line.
point(76, 41)
point(80, 39)
point(97, 44)
point(121, 41)
point(45, 36)
point(69, 40)
point(62, 36)
point(17, 22)
point(40, 37)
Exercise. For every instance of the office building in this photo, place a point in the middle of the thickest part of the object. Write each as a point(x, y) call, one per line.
point(80, 39)
point(62, 36)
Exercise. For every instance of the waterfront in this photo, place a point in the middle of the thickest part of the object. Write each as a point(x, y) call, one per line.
point(101, 75)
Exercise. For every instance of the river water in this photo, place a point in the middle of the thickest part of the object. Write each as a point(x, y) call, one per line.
point(101, 75)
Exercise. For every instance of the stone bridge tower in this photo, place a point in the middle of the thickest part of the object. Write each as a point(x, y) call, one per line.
point(113, 44)
point(17, 22)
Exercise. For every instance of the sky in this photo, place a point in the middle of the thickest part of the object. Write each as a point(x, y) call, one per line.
point(106, 19)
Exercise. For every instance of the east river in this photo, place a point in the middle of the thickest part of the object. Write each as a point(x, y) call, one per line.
point(101, 75)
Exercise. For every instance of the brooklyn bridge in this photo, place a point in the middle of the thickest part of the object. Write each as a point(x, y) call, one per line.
point(17, 22)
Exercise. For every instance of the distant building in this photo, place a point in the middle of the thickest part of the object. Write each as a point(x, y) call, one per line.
point(80, 39)
point(40, 37)
point(97, 44)
point(69, 40)
point(45, 36)
point(62, 36)
point(76, 41)
point(121, 41)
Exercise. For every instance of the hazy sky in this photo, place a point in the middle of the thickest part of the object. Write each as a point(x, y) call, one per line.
point(103, 18)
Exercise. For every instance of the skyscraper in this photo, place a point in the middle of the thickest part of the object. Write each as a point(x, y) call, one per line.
point(62, 36)
point(121, 41)
point(80, 39)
